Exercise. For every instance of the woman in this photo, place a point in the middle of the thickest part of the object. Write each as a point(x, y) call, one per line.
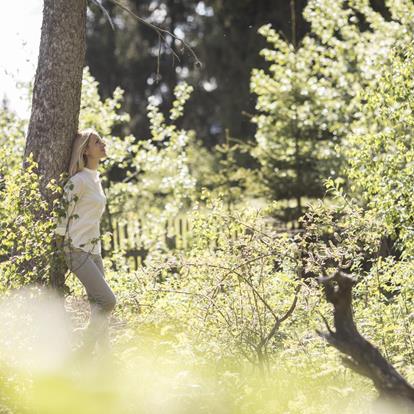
point(79, 234)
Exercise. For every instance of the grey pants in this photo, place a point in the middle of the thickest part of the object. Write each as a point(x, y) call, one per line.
point(89, 270)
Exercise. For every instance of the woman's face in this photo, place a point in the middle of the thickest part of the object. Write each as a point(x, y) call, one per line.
point(96, 147)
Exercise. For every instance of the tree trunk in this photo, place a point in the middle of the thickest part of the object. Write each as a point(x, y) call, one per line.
point(56, 97)
point(361, 356)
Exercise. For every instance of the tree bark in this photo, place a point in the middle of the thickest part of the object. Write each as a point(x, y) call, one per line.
point(361, 356)
point(56, 97)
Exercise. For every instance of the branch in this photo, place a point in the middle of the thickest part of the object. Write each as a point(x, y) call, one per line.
point(105, 12)
point(160, 33)
point(278, 322)
point(292, 307)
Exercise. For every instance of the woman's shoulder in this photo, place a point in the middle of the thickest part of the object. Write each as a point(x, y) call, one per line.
point(76, 179)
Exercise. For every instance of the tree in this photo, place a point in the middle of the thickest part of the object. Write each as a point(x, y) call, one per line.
point(380, 150)
point(56, 95)
point(306, 101)
point(335, 246)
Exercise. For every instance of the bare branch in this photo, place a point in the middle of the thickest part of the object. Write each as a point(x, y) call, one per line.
point(105, 12)
point(331, 332)
point(278, 322)
point(292, 307)
point(161, 34)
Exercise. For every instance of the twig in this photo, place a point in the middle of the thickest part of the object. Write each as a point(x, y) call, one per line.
point(105, 12)
point(160, 35)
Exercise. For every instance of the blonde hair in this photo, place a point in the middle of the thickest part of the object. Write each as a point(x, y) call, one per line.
point(78, 158)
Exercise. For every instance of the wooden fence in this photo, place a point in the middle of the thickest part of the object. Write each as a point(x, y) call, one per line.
point(127, 235)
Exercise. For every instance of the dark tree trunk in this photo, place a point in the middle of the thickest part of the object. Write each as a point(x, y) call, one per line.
point(361, 356)
point(56, 96)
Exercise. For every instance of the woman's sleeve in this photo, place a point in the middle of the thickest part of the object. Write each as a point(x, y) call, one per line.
point(72, 191)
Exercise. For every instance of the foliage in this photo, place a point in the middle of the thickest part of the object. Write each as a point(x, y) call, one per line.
point(235, 294)
point(26, 233)
point(380, 150)
point(348, 233)
point(161, 181)
point(162, 159)
point(150, 374)
point(227, 179)
point(12, 131)
point(385, 312)
point(308, 97)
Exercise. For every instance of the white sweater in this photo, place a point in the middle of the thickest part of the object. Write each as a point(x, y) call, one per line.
point(83, 231)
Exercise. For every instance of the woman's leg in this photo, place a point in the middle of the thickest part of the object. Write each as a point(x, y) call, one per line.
point(103, 341)
point(88, 268)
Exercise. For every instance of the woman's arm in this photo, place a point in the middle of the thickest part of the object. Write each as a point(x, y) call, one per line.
point(73, 190)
